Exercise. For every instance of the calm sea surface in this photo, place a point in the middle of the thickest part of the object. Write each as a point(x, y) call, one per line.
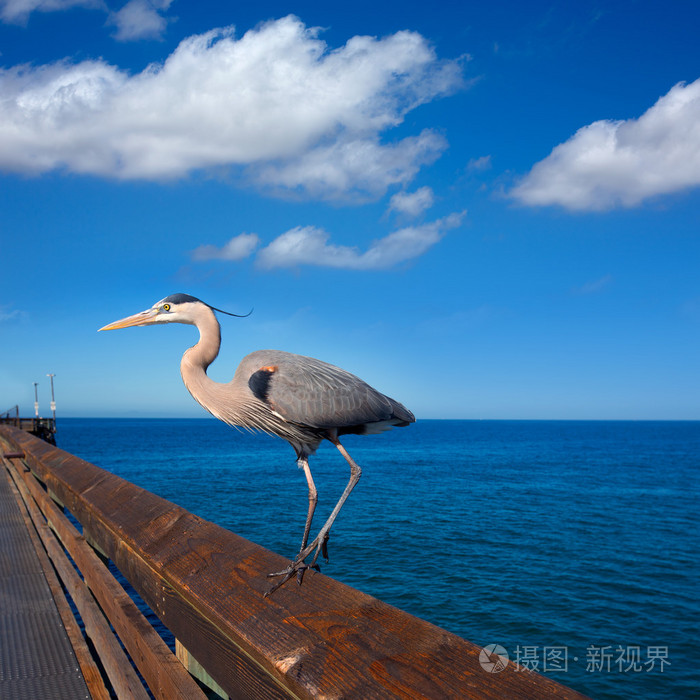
point(574, 545)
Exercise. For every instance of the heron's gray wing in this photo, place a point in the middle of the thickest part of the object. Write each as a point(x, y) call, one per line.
point(316, 394)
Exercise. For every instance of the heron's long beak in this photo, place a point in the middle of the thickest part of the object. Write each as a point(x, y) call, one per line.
point(144, 318)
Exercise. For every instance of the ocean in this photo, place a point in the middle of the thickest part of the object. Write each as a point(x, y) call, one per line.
point(571, 544)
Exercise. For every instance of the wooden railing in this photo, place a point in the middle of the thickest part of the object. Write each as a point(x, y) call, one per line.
point(206, 584)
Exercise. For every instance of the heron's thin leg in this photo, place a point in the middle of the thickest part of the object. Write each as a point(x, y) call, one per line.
point(355, 474)
point(313, 499)
point(318, 545)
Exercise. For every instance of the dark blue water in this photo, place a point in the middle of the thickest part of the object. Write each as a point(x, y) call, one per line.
point(571, 544)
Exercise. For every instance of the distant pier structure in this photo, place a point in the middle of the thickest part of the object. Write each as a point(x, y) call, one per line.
point(44, 428)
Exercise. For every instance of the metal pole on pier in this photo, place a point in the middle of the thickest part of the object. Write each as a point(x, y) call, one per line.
point(53, 402)
point(36, 400)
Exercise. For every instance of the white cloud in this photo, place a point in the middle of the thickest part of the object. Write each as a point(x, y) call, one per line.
point(137, 19)
point(9, 314)
point(18, 11)
point(309, 246)
point(357, 167)
point(140, 19)
point(483, 163)
point(237, 248)
point(621, 163)
point(412, 203)
point(276, 101)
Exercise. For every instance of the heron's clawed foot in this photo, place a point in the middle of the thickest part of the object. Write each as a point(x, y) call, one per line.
point(299, 566)
point(299, 569)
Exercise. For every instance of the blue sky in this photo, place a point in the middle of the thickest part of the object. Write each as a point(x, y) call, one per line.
point(486, 210)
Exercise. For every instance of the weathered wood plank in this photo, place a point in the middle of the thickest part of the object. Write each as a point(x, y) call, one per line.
point(206, 584)
point(197, 670)
point(121, 674)
point(88, 667)
point(164, 675)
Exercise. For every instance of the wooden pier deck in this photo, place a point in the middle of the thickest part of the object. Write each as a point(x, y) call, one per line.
point(37, 659)
point(206, 584)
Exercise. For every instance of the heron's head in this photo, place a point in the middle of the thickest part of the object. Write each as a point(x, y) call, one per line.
point(177, 308)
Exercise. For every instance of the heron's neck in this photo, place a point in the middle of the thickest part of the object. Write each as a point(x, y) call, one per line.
point(195, 361)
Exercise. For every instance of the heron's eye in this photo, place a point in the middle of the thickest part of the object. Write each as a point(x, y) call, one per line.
point(166, 307)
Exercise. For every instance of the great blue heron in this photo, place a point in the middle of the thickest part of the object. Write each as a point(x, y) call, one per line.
point(297, 398)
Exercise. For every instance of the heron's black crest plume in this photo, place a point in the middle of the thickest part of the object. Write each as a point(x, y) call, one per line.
point(185, 298)
point(228, 313)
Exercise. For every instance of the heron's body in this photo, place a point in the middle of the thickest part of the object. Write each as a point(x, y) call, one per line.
point(297, 398)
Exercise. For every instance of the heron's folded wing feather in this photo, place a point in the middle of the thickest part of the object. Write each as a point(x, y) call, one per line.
point(313, 393)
